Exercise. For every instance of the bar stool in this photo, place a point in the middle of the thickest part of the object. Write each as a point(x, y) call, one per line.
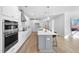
point(54, 41)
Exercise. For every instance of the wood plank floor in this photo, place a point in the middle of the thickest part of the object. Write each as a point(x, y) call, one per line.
point(30, 45)
point(63, 45)
point(67, 45)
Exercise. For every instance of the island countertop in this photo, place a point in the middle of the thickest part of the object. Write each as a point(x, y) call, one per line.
point(48, 32)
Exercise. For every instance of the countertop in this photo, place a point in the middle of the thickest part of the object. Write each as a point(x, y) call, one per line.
point(48, 32)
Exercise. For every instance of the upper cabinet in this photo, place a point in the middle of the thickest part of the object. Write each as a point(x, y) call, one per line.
point(11, 11)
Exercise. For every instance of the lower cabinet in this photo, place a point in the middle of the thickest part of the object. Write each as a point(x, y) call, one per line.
point(41, 42)
point(45, 42)
point(49, 42)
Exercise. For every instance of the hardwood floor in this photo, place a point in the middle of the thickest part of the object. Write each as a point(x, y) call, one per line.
point(30, 45)
point(63, 45)
point(67, 45)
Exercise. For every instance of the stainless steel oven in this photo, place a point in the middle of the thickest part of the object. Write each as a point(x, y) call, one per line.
point(10, 34)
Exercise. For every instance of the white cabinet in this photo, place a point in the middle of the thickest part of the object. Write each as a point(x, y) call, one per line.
point(11, 12)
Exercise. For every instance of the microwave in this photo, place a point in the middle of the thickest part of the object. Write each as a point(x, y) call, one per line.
point(8, 25)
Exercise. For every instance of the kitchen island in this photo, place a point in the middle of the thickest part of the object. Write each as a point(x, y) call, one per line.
point(45, 41)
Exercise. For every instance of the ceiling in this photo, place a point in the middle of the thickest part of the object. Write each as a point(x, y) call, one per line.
point(40, 11)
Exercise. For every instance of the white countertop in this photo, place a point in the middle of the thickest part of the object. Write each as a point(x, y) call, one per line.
point(42, 32)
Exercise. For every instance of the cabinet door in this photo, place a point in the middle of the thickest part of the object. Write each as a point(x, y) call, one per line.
point(41, 42)
point(49, 42)
point(11, 11)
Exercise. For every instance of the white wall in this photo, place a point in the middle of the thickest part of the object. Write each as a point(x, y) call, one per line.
point(67, 25)
point(59, 24)
point(51, 23)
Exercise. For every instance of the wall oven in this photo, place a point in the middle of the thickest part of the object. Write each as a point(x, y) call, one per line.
point(10, 34)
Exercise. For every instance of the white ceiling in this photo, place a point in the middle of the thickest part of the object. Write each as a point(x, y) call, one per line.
point(40, 11)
